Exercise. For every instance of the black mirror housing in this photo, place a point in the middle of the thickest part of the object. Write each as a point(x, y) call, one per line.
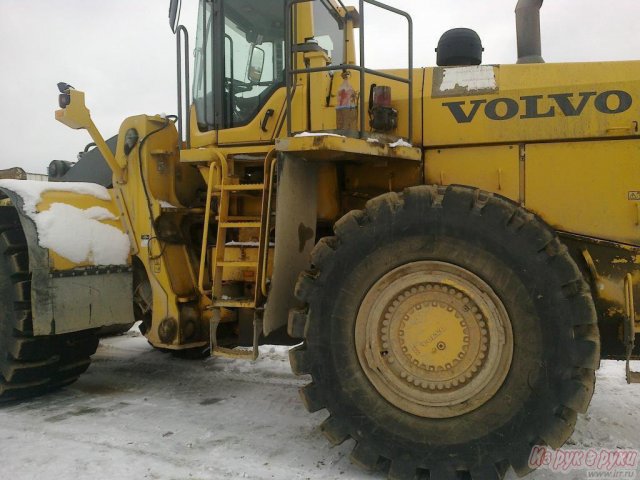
point(174, 14)
point(256, 65)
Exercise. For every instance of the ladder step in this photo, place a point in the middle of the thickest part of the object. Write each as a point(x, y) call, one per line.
point(240, 353)
point(235, 353)
point(241, 187)
point(198, 210)
point(239, 225)
point(236, 218)
point(238, 263)
point(234, 303)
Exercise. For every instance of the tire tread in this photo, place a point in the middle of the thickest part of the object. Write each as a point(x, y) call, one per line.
point(497, 213)
point(32, 365)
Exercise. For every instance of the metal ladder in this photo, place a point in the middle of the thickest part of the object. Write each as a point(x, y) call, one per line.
point(229, 188)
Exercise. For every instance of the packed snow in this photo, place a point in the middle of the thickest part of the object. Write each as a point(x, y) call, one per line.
point(400, 143)
point(317, 134)
point(167, 205)
point(80, 236)
point(73, 233)
point(141, 414)
point(472, 78)
point(242, 244)
point(31, 191)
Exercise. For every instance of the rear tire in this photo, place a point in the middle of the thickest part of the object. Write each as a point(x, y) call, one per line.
point(31, 365)
point(546, 379)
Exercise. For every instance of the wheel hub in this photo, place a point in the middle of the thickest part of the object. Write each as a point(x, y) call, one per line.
point(434, 325)
point(434, 339)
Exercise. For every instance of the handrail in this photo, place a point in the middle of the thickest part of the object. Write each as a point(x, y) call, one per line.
point(333, 68)
point(183, 32)
point(290, 32)
point(207, 214)
point(270, 166)
point(362, 61)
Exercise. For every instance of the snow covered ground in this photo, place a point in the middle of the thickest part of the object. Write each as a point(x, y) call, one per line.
point(141, 414)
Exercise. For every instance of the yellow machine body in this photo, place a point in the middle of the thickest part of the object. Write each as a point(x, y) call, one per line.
point(398, 225)
point(560, 139)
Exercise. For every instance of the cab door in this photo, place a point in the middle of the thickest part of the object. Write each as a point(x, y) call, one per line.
point(253, 91)
point(240, 84)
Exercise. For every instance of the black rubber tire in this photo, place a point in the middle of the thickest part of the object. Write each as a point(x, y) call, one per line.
point(556, 342)
point(31, 366)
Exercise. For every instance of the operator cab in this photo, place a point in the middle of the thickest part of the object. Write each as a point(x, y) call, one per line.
point(240, 58)
point(266, 69)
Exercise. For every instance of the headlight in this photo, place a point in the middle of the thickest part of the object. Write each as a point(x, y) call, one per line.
point(64, 99)
point(130, 140)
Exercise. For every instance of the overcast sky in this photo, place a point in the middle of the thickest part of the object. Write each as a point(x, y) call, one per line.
point(122, 54)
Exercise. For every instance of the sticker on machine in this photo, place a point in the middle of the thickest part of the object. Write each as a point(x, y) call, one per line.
point(634, 196)
point(463, 81)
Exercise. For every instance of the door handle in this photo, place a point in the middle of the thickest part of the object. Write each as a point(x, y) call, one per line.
point(267, 115)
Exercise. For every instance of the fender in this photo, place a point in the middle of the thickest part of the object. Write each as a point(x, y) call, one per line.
point(295, 236)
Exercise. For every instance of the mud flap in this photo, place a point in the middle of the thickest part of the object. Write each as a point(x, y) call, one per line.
point(83, 299)
point(296, 217)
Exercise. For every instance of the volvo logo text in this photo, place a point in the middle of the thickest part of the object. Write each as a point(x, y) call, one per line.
point(568, 104)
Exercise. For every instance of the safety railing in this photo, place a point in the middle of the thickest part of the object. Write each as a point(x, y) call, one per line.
point(291, 72)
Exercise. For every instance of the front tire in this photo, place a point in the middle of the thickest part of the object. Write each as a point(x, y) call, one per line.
point(31, 365)
point(448, 331)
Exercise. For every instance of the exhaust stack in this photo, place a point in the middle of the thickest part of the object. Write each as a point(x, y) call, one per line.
point(528, 31)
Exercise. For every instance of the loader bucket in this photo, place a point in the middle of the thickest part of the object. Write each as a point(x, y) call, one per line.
point(79, 255)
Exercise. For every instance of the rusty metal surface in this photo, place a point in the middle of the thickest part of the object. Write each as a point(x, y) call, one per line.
point(606, 265)
point(84, 302)
point(336, 148)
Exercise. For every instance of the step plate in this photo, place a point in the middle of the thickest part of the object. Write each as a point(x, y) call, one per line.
point(235, 353)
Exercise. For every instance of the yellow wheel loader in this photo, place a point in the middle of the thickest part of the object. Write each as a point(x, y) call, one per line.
point(451, 249)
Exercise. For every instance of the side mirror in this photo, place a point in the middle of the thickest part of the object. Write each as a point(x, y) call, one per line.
point(256, 65)
point(174, 14)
